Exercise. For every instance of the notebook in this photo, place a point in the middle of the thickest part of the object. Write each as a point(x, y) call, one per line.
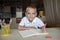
point(32, 32)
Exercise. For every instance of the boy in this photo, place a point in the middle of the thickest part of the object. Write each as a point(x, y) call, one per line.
point(30, 21)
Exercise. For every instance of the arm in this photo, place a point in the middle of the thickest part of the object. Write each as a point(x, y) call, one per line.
point(25, 28)
point(44, 28)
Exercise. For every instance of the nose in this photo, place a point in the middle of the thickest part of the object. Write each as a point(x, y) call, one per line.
point(31, 15)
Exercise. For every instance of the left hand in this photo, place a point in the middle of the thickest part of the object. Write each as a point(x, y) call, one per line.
point(44, 28)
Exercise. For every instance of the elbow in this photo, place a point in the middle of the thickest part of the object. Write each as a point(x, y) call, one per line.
point(20, 28)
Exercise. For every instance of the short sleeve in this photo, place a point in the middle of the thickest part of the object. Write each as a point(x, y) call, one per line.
point(40, 23)
point(22, 22)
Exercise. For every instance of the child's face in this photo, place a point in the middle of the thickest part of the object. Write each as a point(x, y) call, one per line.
point(31, 14)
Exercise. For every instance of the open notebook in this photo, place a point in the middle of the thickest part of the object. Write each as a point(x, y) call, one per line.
point(32, 32)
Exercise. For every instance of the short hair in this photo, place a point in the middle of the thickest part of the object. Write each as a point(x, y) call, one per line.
point(31, 6)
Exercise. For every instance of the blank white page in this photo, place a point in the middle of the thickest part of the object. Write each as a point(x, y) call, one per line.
point(28, 33)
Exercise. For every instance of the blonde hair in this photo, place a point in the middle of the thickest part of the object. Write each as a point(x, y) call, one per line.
point(30, 6)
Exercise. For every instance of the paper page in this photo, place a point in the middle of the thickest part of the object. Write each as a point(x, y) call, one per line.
point(28, 33)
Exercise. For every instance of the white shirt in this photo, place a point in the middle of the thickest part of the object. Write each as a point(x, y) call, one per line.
point(35, 23)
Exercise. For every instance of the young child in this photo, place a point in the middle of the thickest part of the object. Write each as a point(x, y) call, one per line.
point(30, 21)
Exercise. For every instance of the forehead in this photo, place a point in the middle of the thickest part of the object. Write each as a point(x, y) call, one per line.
point(30, 9)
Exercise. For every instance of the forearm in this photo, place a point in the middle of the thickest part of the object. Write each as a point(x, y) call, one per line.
point(43, 29)
point(25, 28)
point(22, 28)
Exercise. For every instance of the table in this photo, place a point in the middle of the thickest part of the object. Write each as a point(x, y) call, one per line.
point(54, 32)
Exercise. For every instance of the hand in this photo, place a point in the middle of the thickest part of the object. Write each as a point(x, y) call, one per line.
point(44, 28)
point(31, 27)
point(43, 31)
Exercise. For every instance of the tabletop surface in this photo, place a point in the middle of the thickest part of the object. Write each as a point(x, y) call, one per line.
point(54, 32)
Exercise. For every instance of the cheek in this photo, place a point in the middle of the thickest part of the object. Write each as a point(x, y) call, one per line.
point(28, 15)
point(33, 16)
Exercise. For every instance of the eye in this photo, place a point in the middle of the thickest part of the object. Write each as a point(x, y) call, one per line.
point(33, 13)
point(28, 13)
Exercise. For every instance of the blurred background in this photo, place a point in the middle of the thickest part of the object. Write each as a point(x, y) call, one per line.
point(48, 11)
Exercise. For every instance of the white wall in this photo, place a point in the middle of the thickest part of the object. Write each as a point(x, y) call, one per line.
point(18, 12)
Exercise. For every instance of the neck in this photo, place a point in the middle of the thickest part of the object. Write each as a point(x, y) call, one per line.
point(30, 20)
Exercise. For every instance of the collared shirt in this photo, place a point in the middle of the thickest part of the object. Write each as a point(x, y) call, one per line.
point(35, 23)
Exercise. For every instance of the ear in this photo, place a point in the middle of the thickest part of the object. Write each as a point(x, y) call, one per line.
point(25, 13)
point(36, 14)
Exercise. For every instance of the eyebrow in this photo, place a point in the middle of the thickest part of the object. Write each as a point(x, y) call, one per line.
point(32, 8)
point(32, 13)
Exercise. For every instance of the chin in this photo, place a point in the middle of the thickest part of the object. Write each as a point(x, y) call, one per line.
point(31, 19)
